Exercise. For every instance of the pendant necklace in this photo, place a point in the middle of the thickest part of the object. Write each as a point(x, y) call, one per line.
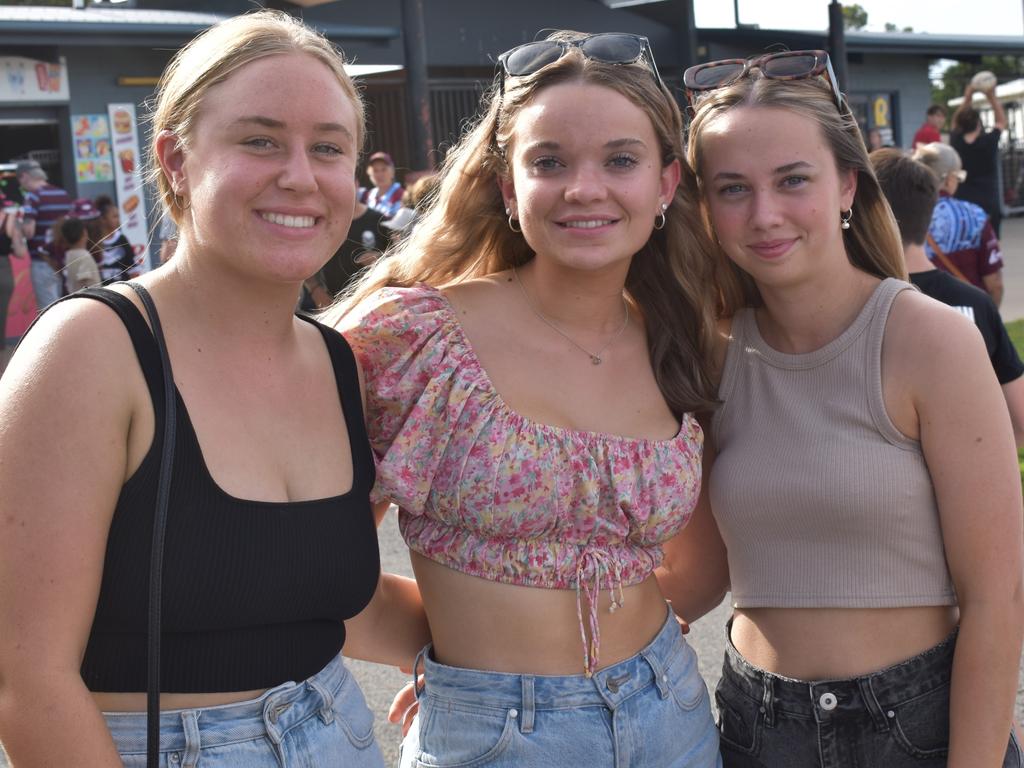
point(596, 358)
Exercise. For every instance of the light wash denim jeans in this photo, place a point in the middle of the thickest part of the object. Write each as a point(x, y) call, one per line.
point(650, 711)
point(45, 283)
point(323, 721)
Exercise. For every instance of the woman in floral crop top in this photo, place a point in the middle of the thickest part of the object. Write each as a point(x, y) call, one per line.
point(534, 354)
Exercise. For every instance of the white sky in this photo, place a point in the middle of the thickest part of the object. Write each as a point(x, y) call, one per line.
point(959, 17)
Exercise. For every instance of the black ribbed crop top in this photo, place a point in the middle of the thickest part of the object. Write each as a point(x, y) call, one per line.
point(254, 593)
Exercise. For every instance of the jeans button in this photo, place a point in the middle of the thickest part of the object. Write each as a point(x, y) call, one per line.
point(828, 701)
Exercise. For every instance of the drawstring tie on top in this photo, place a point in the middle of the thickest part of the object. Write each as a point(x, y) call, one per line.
point(596, 563)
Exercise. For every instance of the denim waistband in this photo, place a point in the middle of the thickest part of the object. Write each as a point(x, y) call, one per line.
point(822, 699)
point(274, 714)
point(607, 687)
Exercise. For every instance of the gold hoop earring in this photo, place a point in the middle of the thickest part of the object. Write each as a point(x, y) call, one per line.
point(508, 211)
point(844, 218)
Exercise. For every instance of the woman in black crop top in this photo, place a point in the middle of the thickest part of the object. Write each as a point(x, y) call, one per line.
point(270, 559)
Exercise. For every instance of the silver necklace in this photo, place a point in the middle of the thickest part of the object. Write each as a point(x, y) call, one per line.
point(596, 358)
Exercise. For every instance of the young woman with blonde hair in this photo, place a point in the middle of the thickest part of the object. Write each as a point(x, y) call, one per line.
point(534, 354)
point(865, 485)
point(270, 560)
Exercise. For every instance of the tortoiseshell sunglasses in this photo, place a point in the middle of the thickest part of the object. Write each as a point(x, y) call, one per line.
point(784, 65)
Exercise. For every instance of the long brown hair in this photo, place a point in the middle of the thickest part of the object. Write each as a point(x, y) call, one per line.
point(464, 233)
point(872, 242)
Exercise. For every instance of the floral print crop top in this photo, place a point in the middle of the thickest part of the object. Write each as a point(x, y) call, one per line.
point(486, 491)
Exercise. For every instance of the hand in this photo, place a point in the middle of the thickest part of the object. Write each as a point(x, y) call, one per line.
point(366, 258)
point(404, 707)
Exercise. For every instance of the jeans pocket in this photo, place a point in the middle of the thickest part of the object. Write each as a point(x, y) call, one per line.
point(684, 681)
point(920, 726)
point(740, 719)
point(352, 714)
point(460, 736)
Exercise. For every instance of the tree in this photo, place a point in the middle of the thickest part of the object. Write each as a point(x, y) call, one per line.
point(956, 77)
point(854, 17)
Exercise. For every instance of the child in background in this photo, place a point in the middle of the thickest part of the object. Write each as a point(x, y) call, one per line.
point(116, 255)
point(80, 269)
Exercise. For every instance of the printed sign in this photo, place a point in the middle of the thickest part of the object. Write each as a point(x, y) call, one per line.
point(91, 139)
point(23, 79)
point(128, 178)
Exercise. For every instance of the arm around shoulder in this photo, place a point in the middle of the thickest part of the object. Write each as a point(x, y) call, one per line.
point(67, 408)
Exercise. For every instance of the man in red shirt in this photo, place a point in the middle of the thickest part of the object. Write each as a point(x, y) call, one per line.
point(934, 119)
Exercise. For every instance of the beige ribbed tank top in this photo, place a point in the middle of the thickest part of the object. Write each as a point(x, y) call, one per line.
point(821, 501)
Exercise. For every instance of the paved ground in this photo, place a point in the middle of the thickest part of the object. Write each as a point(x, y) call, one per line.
point(380, 683)
point(1013, 272)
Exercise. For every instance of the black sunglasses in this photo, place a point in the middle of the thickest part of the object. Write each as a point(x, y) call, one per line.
point(784, 65)
point(606, 47)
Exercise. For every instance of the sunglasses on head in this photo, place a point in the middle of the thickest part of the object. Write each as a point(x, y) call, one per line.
point(605, 47)
point(784, 65)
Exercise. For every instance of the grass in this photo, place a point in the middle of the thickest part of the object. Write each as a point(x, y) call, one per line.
point(1016, 331)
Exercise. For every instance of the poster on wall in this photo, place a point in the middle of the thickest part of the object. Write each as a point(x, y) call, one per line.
point(23, 79)
point(91, 139)
point(128, 178)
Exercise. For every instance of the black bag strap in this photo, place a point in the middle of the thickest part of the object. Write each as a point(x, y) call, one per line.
point(156, 560)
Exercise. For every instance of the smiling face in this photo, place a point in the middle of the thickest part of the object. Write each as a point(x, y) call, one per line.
point(774, 193)
point(586, 178)
point(268, 169)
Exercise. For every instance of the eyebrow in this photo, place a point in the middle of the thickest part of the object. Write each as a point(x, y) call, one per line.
point(613, 144)
point(778, 171)
point(269, 122)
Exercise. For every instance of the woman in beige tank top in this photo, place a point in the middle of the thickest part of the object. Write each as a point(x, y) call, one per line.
point(865, 484)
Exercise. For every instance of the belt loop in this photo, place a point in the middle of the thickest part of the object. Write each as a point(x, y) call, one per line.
point(768, 699)
point(660, 677)
point(420, 657)
point(528, 705)
point(193, 743)
point(867, 692)
point(270, 716)
point(326, 711)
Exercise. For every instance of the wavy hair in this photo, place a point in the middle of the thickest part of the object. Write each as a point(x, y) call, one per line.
point(463, 233)
point(872, 242)
point(211, 57)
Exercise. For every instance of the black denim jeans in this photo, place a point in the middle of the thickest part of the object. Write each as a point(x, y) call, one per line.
point(889, 719)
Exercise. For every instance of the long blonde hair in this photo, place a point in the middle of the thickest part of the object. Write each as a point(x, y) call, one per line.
point(872, 242)
point(464, 233)
point(213, 56)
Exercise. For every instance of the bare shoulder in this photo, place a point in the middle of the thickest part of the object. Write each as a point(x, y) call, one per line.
point(473, 296)
point(78, 338)
point(927, 333)
point(75, 367)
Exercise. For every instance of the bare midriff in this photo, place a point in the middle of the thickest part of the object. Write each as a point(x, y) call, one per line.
point(488, 625)
point(837, 643)
point(136, 702)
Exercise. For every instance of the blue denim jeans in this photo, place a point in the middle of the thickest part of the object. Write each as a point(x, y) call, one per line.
point(895, 718)
point(45, 283)
point(323, 721)
point(651, 710)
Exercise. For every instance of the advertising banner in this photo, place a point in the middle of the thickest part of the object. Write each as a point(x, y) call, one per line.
point(128, 178)
point(91, 138)
point(23, 79)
